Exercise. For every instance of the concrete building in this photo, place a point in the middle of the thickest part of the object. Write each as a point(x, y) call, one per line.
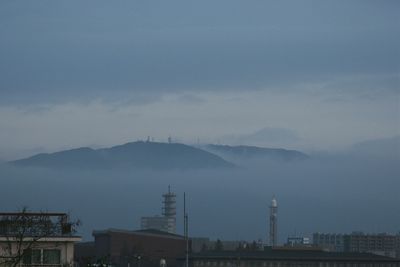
point(36, 239)
point(166, 222)
point(273, 223)
point(298, 242)
point(380, 244)
point(329, 241)
point(287, 258)
point(145, 248)
point(200, 244)
point(160, 223)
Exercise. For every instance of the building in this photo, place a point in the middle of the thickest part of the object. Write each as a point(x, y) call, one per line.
point(166, 222)
point(273, 223)
point(160, 223)
point(36, 239)
point(380, 244)
point(287, 257)
point(298, 242)
point(328, 241)
point(144, 248)
point(200, 244)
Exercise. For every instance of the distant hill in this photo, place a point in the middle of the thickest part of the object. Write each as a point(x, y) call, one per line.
point(137, 155)
point(253, 152)
point(385, 147)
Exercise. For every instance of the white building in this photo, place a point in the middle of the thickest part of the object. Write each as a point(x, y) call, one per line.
point(167, 222)
point(36, 239)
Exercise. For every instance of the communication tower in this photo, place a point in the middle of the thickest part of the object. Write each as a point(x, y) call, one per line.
point(169, 210)
point(273, 223)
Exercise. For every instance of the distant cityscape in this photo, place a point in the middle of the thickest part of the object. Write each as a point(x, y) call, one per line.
point(49, 239)
point(158, 238)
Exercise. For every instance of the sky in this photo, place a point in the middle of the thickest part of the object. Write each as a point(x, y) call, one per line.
point(309, 75)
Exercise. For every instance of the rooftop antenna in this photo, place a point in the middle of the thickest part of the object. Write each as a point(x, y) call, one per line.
point(186, 229)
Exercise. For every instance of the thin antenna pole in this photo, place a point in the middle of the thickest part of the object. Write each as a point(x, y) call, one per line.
point(186, 228)
point(184, 214)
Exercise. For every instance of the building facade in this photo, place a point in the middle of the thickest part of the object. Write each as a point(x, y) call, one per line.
point(144, 248)
point(155, 222)
point(288, 258)
point(381, 244)
point(166, 222)
point(36, 239)
point(328, 241)
point(298, 242)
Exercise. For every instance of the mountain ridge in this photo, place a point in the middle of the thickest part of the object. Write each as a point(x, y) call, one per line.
point(251, 152)
point(137, 155)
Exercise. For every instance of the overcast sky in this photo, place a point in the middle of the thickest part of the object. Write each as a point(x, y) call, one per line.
point(320, 74)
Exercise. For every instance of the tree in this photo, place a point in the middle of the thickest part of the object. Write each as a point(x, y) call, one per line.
point(21, 231)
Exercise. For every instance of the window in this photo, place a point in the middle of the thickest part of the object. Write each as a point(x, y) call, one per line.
point(36, 256)
point(32, 256)
point(51, 256)
point(42, 257)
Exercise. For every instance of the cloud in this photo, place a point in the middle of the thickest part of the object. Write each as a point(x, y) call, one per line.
point(101, 50)
point(191, 99)
point(268, 136)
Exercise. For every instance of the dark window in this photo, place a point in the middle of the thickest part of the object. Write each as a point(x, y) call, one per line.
point(51, 256)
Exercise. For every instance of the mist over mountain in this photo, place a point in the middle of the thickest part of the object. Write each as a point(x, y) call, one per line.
point(313, 193)
point(265, 137)
point(135, 155)
point(384, 147)
point(247, 153)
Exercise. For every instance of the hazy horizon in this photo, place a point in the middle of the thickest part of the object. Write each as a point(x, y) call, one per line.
point(316, 76)
point(320, 77)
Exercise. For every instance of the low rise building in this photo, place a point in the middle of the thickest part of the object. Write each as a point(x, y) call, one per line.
point(274, 257)
point(298, 242)
point(160, 223)
point(329, 241)
point(131, 248)
point(381, 244)
point(36, 239)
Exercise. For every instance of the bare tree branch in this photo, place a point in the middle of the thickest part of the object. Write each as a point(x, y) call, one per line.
point(21, 232)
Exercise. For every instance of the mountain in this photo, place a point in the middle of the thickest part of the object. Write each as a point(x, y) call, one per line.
point(253, 152)
point(384, 147)
point(136, 155)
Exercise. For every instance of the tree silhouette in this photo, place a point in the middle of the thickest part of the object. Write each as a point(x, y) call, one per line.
point(20, 232)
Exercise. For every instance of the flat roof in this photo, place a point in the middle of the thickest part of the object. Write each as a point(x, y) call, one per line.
point(33, 213)
point(302, 255)
point(150, 232)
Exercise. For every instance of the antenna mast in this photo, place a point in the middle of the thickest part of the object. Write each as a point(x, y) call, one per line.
point(186, 228)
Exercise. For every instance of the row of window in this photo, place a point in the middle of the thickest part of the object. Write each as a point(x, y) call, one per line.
point(42, 257)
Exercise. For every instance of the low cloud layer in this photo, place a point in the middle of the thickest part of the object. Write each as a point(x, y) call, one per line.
point(65, 51)
point(292, 121)
point(101, 73)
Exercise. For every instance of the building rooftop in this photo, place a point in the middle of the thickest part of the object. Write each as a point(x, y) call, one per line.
point(285, 254)
point(153, 232)
point(36, 224)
